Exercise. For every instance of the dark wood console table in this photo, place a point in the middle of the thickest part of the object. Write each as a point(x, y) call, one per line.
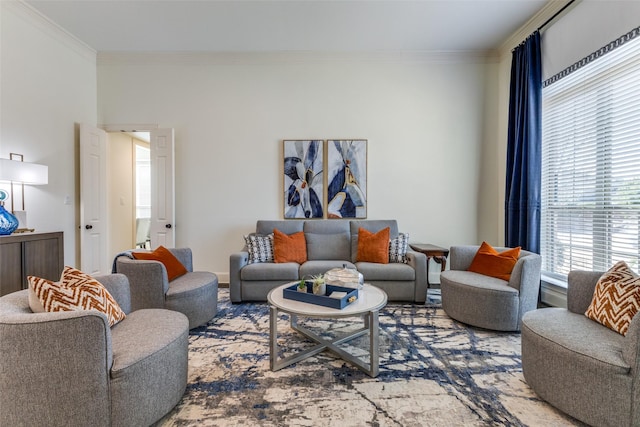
point(437, 253)
point(29, 254)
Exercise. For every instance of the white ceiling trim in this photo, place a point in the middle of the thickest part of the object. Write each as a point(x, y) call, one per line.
point(249, 58)
point(46, 25)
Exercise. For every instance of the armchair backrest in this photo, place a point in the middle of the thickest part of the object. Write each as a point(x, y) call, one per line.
point(580, 288)
point(148, 281)
point(185, 256)
point(118, 287)
point(35, 354)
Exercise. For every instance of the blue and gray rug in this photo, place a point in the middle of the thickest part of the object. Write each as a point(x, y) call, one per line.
point(433, 372)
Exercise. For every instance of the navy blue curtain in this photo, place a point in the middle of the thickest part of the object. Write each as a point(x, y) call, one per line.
point(524, 153)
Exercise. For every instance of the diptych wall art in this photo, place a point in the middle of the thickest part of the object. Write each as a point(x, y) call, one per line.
point(304, 172)
point(303, 179)
point(347, 178)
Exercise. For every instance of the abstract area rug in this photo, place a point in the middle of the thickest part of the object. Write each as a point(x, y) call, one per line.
point(433, 372)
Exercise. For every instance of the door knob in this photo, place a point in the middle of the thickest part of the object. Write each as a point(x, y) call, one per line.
point(168, 226)
point(88, 226)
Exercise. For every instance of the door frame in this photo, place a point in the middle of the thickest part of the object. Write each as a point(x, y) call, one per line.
point(129, 128)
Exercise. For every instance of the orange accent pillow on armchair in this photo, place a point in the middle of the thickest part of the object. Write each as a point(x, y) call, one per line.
point(373, 247)
point(490, 262)
point(289, 248)
point(173, 265)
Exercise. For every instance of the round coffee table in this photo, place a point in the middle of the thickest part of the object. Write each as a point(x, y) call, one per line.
point(370, 301)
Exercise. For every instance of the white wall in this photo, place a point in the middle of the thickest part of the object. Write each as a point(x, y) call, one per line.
point(47, 87)
point(425, 119)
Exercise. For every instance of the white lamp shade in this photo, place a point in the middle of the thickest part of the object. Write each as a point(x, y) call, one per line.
point(23, 172)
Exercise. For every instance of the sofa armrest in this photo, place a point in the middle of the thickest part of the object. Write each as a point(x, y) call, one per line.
point(148, 282)
point(118, 287)
point(418, 261)
point(185, 256)
point(40, 353)
point(237, 261)
point(580, 288)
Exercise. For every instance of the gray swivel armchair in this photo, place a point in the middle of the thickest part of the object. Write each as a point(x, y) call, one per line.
point(70, 368)
point(487, 302)
point(580, 366)
point(194, 294)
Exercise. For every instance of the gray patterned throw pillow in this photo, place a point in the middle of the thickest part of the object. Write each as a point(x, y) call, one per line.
point(398, 248)
point(260, 247)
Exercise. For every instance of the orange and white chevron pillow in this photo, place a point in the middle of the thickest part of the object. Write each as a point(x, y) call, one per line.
point(75, 291)
point(616, 298)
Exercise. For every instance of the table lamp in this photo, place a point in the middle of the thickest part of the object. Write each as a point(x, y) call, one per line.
point(16, 171)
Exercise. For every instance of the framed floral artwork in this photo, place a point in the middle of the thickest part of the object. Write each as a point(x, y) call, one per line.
point(347, 178)
point(303, 179)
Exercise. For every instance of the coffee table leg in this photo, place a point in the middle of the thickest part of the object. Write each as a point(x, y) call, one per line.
point(374, 343)
point(273, 336)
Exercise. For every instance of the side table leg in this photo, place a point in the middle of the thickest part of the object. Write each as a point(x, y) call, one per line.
point(428, 262)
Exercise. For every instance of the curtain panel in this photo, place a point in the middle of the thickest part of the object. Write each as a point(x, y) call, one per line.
point(524, 153)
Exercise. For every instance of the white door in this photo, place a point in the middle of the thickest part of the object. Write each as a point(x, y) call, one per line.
point(93, 201)
point(162, 189)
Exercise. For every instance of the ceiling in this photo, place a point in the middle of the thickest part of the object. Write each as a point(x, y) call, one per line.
point(294, 25)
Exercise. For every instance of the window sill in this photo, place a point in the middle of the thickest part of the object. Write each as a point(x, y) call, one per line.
point(552, 281)
point(553, 291)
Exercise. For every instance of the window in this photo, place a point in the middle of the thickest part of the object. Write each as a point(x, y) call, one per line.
point(591, 162)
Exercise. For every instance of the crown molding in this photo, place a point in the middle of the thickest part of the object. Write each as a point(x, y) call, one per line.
point(44, 24)
point(550, 8)
point(293, 57)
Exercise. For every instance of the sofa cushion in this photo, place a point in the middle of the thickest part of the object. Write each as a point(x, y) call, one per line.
point(490, 262)
point(568, 330)
point(616, 298)
point(288, 226)
point(259, 247)
point(289, 247)
point(150, 365)
point(328, 246)
point(394, 271)
point(373, 247)
point(76, 291)
point(270, 271)
point(172, 264)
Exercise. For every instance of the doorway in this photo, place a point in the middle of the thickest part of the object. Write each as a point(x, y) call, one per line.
point(108, 207)
point(142, 178)
point(129, 184)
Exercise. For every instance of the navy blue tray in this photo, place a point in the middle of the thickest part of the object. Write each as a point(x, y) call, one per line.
point(291, 292)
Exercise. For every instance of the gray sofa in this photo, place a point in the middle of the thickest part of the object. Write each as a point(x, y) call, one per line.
point(488, 302)
point(71, 369)
point(579, 366)
point(330, 244)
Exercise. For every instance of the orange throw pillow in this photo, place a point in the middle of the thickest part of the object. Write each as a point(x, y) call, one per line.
point(173, 265)
point(373, 247)
point(490, 262)
point(289, 248)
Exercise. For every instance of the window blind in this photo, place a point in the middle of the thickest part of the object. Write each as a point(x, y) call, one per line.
point(590, 215)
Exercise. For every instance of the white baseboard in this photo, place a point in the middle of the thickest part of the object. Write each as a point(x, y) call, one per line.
point(223, 278)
